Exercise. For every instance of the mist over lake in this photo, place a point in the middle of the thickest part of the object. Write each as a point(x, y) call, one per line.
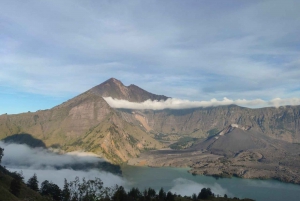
point(55, 167)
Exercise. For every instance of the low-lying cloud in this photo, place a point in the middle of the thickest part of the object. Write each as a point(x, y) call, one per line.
point(54, 167)
point(188, 187)
point(45, 163)
point(174, 103)
point(19, 155)
point(58, 176)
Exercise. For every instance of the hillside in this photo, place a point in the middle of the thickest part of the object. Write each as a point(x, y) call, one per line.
point(25, 192)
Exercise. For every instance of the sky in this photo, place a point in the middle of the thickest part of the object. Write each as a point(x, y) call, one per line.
point(52, 50)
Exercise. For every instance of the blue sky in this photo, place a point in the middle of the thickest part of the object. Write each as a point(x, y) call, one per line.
point(50, 51)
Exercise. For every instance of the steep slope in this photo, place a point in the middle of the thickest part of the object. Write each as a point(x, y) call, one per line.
point(248, 154)
point(235, 139)
point(86, 123)
point(25, 192)
point(115, 89)
point(68, 120)
point(279, 123)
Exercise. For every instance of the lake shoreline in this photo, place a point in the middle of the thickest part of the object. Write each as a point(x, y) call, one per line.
point(247, 165)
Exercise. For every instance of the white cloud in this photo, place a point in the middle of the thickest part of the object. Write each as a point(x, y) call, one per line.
point(173, 103)
point(52, 167)
point(44, 164)
point(19, 155)
point(241, 49)
point(188, 187)
point(58, 176)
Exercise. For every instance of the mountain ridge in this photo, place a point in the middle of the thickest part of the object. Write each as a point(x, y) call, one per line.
point(87, 123)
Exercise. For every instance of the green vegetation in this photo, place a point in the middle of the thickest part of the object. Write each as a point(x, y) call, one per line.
point(33, 183)
point(15, 185)
point(212, 132)
point(183, 143)
point(13, 188)
point(51, 190)
point(25, 138)
point(160, 136)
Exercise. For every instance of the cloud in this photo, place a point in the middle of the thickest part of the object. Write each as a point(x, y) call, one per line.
point(58, 176)
point(50, 166)
point(54, 167)
point(173, 103)
point(19, 155)
point(187, 187)
point(191, 51)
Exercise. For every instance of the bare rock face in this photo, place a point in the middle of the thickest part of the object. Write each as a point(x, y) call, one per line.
point(279, 123)
point(115, 89)
point(235, 152)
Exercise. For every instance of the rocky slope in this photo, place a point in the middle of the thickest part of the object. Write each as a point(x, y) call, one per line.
point(235, 151)
point(114, 88)
point(279, 123)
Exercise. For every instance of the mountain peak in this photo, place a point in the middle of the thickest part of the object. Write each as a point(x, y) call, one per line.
point(113, 80)
point(116, 89)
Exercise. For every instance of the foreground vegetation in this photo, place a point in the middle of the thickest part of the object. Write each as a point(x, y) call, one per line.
point(13, 188)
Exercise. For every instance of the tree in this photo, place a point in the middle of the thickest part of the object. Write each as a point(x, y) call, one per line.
point(205, 194)
point(74, 186)
point(151, 193)
point(194, 197)
point(135, 194)
point(1, 153)
point(15, 187)
point(85, 190)
point(50, 189)
point(162, 194)
point(33, 183)
point(120, 194)
point(17, 175)
point(170, 196)
point(66, 194)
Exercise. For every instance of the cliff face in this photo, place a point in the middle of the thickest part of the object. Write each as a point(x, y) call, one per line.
point(115, 89)
point(279, 123)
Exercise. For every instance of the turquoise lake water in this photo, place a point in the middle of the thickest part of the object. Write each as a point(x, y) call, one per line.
point(180, 181)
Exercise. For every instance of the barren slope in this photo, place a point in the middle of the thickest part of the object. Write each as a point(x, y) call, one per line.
point(115, 89)
point(279, 123)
